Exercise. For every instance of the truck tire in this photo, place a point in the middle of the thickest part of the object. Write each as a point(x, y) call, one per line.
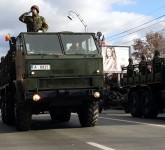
point(7, 110)
point(88, 114)
point(23, 115)
point(135, 104)
point(149, 105)
point(3, 112)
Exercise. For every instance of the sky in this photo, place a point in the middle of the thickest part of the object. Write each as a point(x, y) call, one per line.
point(121, 21)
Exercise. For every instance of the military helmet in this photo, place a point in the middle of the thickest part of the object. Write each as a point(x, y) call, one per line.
point(35, 7)
point(143, 57)
point(156, 53)
point(130, 60)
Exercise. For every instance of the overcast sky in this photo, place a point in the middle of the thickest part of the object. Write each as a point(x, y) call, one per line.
point(111, 17)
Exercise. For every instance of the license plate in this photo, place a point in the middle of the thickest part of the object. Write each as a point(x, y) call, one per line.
point(40, 67)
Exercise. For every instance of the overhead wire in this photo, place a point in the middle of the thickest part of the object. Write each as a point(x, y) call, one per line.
point(147, 27)
point(137, 27)
point(136, 19)
point(159, 31)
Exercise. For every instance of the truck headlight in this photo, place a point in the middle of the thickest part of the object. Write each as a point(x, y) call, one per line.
point(36, 97)
point(96, 94)
point(32, 73)
point(98, 71)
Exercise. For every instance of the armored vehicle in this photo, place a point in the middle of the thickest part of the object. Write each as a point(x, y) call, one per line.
point(59, 73)
point(146, 89)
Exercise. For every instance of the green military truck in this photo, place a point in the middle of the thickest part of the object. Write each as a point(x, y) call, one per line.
point(58, 73)
point(145, 90)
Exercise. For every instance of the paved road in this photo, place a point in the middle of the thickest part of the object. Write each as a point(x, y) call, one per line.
point(115, 130)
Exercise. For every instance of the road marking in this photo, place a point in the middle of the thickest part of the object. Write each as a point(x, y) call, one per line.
point(99, 146)
point(121, 120)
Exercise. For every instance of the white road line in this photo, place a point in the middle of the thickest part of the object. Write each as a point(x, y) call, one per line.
point(99, 146)
point(121, 120)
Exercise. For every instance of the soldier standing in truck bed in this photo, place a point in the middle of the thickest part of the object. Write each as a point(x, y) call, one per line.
point(143, 65)
point(156, 62)
point(130, 68)
point(35, 22)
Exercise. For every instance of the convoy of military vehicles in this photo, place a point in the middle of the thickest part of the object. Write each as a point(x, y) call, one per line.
point(62, 73)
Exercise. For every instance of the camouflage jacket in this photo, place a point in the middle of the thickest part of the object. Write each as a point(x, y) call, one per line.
point(156, 64)
point(142, 67)
point(130, 70)
point(34, 23)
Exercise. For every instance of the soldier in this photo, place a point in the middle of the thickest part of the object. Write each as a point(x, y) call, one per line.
point(143, 65)
point(35, 22)
point(156, 62)
point(130, 68)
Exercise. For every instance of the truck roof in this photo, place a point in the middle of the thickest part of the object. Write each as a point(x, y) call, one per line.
point(63, 32)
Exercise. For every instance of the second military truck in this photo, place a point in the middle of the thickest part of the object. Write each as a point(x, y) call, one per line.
point(145, 89)
point(55, 72)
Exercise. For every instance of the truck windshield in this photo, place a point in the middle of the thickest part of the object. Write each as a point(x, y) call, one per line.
point(42, 44)
point(79, 44)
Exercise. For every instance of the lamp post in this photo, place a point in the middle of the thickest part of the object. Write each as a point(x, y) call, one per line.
point(79, 17)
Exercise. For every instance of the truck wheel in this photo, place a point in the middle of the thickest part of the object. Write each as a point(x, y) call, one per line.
point(3, 112)
point(23, 114)
point(150, 107)
point(135, 104)
point(23, 117)
point(7, 109)
point(88, 114)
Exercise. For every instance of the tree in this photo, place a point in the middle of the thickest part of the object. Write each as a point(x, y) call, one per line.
point(154, 41)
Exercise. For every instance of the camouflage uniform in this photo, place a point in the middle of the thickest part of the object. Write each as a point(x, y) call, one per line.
point(156, 62)
point(35, 22)
point(130, 68)
point(143, 65)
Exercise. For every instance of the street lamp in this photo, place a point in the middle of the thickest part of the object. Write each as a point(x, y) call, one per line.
point(79, 17)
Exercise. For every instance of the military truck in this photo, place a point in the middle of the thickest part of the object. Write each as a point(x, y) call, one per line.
point(145, 90)
point(45, 72)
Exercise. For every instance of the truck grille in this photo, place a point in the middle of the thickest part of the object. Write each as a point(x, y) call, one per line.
point(65, 83)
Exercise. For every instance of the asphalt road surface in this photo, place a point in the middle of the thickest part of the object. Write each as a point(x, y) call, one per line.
point(115, 130)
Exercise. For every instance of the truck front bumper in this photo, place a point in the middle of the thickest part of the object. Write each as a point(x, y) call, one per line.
point(65, 97)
